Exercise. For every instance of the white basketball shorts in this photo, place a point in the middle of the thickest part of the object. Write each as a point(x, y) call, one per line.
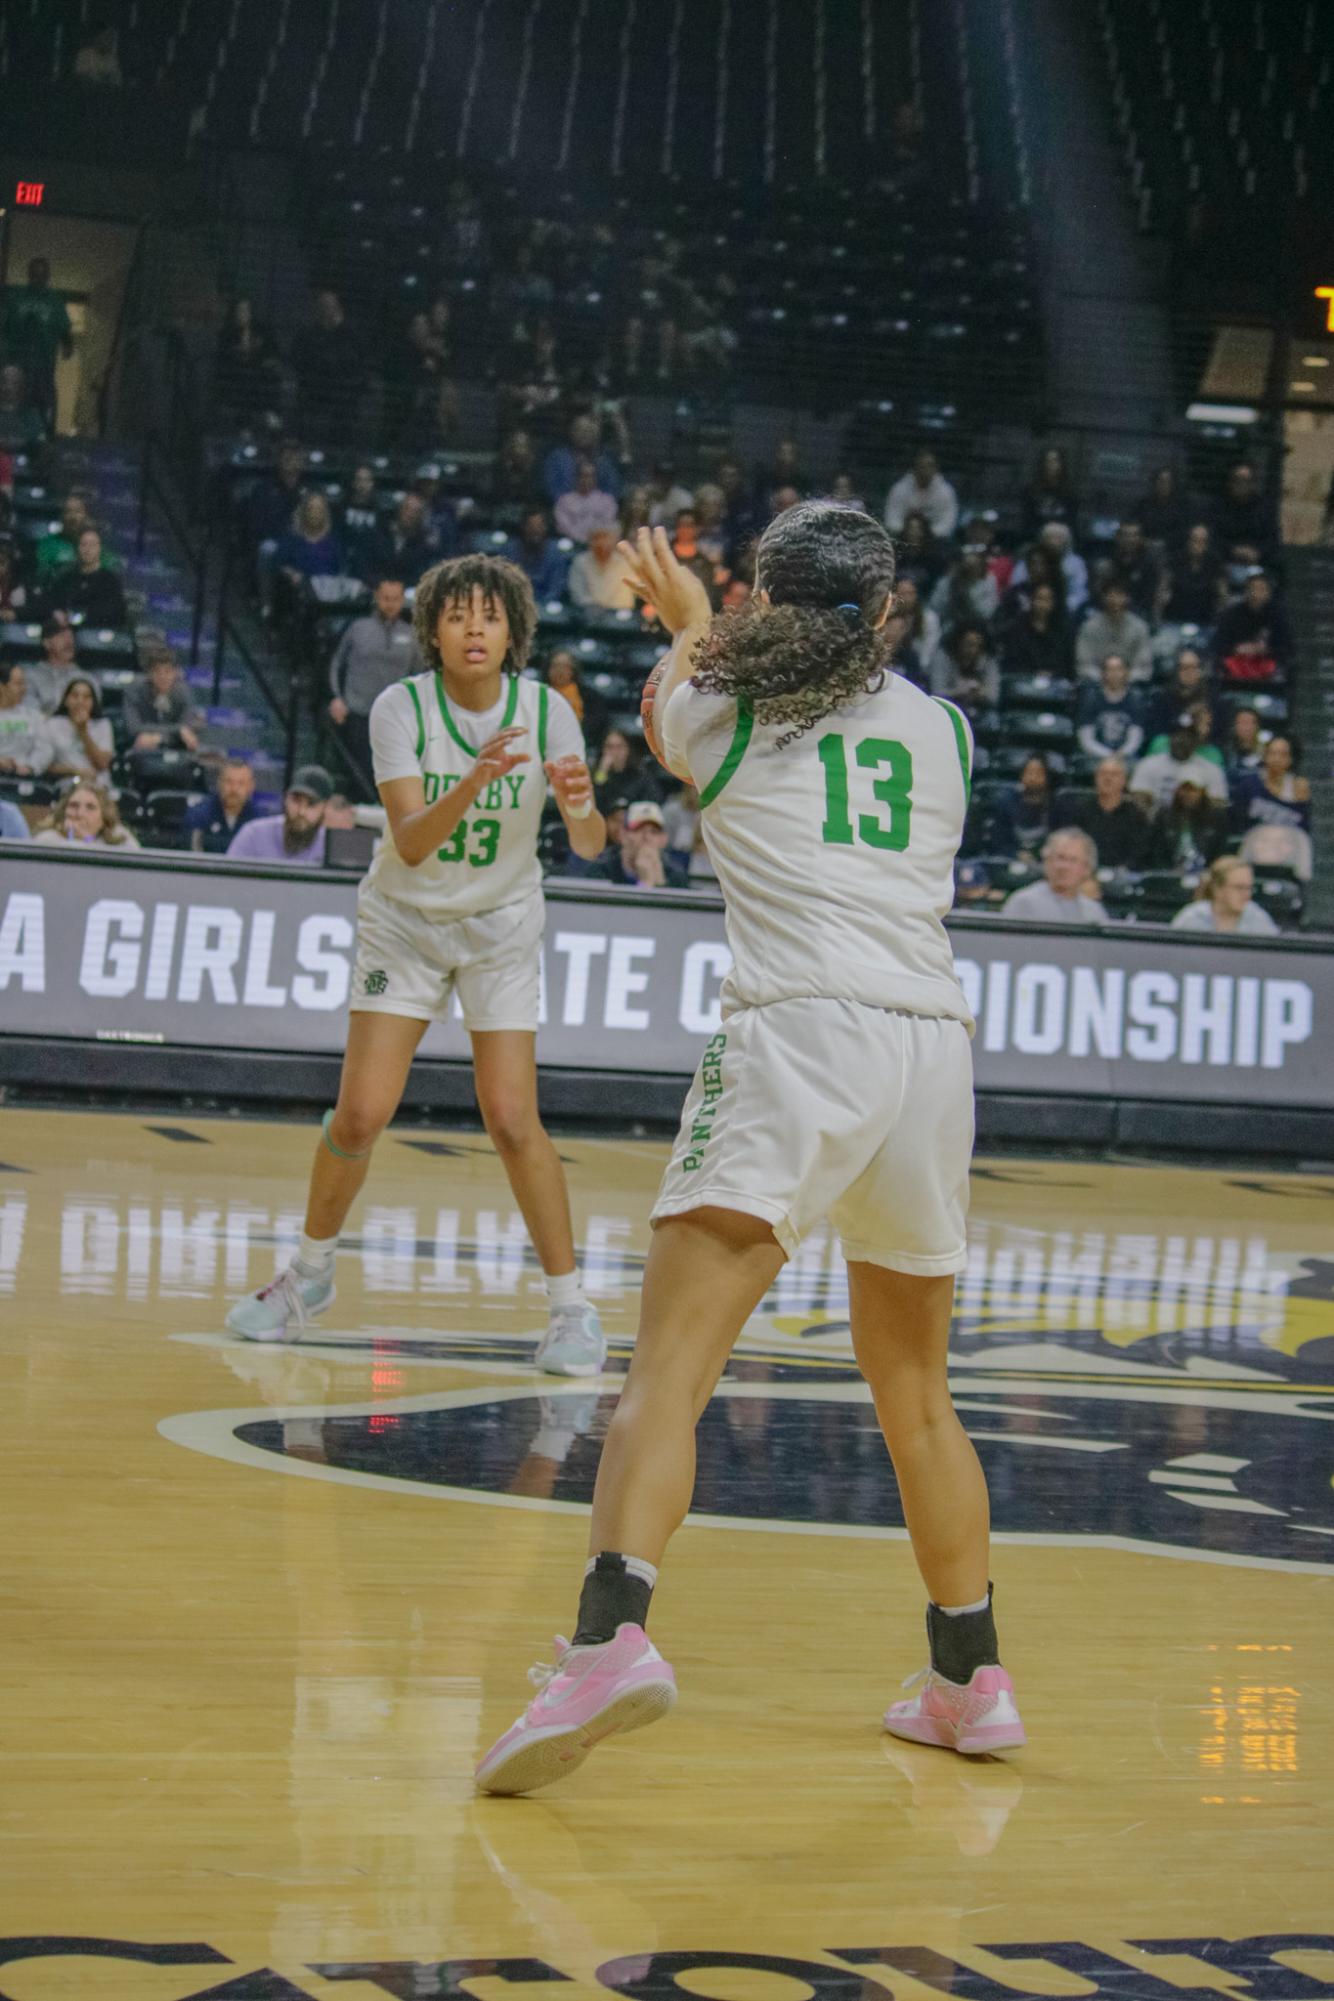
point(811, 1108)
point(410, 964)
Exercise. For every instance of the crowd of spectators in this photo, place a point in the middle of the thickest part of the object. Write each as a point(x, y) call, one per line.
point(1118, 737)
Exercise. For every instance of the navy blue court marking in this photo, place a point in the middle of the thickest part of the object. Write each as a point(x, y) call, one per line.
point(180, 1135)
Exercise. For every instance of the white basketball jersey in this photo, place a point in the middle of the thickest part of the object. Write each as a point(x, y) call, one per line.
point(835, 848)
point(491, 857)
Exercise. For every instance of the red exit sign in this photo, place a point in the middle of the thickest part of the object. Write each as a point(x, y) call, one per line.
point(30, 194)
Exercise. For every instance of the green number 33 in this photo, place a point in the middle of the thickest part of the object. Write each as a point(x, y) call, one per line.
point(894, 791)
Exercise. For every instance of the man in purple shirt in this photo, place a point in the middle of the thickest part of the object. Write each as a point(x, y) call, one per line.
point(296, 834)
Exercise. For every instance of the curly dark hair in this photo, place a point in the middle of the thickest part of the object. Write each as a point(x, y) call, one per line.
point(499, 582)
point(827, 570)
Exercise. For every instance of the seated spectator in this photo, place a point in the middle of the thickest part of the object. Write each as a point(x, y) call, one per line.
point(666, 495)
point(967, 594)
point(371, 655)
point(1022, 818)
point(923, 490)
point(903, 656)
point(783, 470)
point(1223, 903)
point(711, 525)
point(1190, 833)
point(1114, 629)
point(297, 834)
point(97, 65)
point(60, 546)
point(330, 369)
point(597, 575)
point(1244, 744)
point(13, 592)
point(586, 506)
point(843, 490)
point(1276, 796)
point(1120, 832)
point(516, 479)
point(1243, 522)
point(964, 671)
point(1132, 562)
point(541, 558)
point(1189, 684)
point(980, 533)
point(1156, 777)
point(1196, 585)
point(406, 548)
point(1039, 640)
point(416, 367)
point(616, 775)
point(49, 677)
point(1069, 859)
point(1109, 719)
point(310, 548)
point(918, 557)
point(563, 676)
point(359, 525)
point(740, 516)
point(86, 817)
point(1253, 640)
point(1050, 496)
point(13, 826)
point(25, 747)
point(21, 426)
point(90, 587)
point(276, 495)
point(635, 511)
point(158, 713)
point(213, 822)
point(641, 860)
point(80, 736)
point(1063, 567)
point(1165, 513)
point(923, 623)
point(247, 368)
point(560, 468)
point(686, 548)
point(441, 521)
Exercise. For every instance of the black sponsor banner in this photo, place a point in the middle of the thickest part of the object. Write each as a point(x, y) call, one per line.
point(211, 956)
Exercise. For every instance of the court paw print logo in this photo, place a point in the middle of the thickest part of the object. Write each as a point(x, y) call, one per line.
point(376, 983)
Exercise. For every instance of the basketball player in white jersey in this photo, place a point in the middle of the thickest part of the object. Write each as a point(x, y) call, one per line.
point(453, 904)
point(839, 1084)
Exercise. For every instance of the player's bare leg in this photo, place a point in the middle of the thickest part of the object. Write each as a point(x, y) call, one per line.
point(706, 1273)
point(380, 1049)
point(505, 1075)
point(900, 1335)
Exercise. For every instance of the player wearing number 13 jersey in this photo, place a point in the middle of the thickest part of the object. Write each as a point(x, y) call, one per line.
point(838, 1085)
point(452, 905)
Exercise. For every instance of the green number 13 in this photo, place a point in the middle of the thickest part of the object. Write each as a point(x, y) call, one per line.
point(894, 791)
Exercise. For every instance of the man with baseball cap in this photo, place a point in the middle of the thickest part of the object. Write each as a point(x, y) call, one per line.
point(641, 861)
point(297, 834)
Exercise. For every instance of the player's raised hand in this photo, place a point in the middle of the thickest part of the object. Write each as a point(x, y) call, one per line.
point(499, 754)
point(654, 571)
point(572, 783)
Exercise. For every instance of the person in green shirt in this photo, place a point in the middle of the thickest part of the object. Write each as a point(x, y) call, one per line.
point(61, 545)
point(36, 329)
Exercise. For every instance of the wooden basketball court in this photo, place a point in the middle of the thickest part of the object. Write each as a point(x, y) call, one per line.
point(263, 1608)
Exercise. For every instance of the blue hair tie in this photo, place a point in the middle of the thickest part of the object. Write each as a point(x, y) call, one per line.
point(855, 609)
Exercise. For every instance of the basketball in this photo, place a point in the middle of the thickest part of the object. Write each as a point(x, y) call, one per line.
point(648, 702)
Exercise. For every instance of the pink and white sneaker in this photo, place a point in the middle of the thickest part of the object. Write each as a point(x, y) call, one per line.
point(590, 1693)
point(976, 1716)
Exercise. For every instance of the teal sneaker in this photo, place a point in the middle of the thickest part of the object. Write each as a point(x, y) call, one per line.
point(574, 1343)
point(287, 1302)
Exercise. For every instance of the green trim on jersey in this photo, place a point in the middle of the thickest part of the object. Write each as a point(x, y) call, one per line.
point(736, 750)
point(511, 704)
point(960, 743)
point(421, 720)
point(542, 699)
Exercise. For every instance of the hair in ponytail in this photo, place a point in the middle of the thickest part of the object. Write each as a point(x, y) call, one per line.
point(827, 571)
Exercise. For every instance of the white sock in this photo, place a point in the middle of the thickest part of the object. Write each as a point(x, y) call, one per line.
point(315, 1255)
point(567, 1290)
point(958, 1611)
point(636, 1566)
